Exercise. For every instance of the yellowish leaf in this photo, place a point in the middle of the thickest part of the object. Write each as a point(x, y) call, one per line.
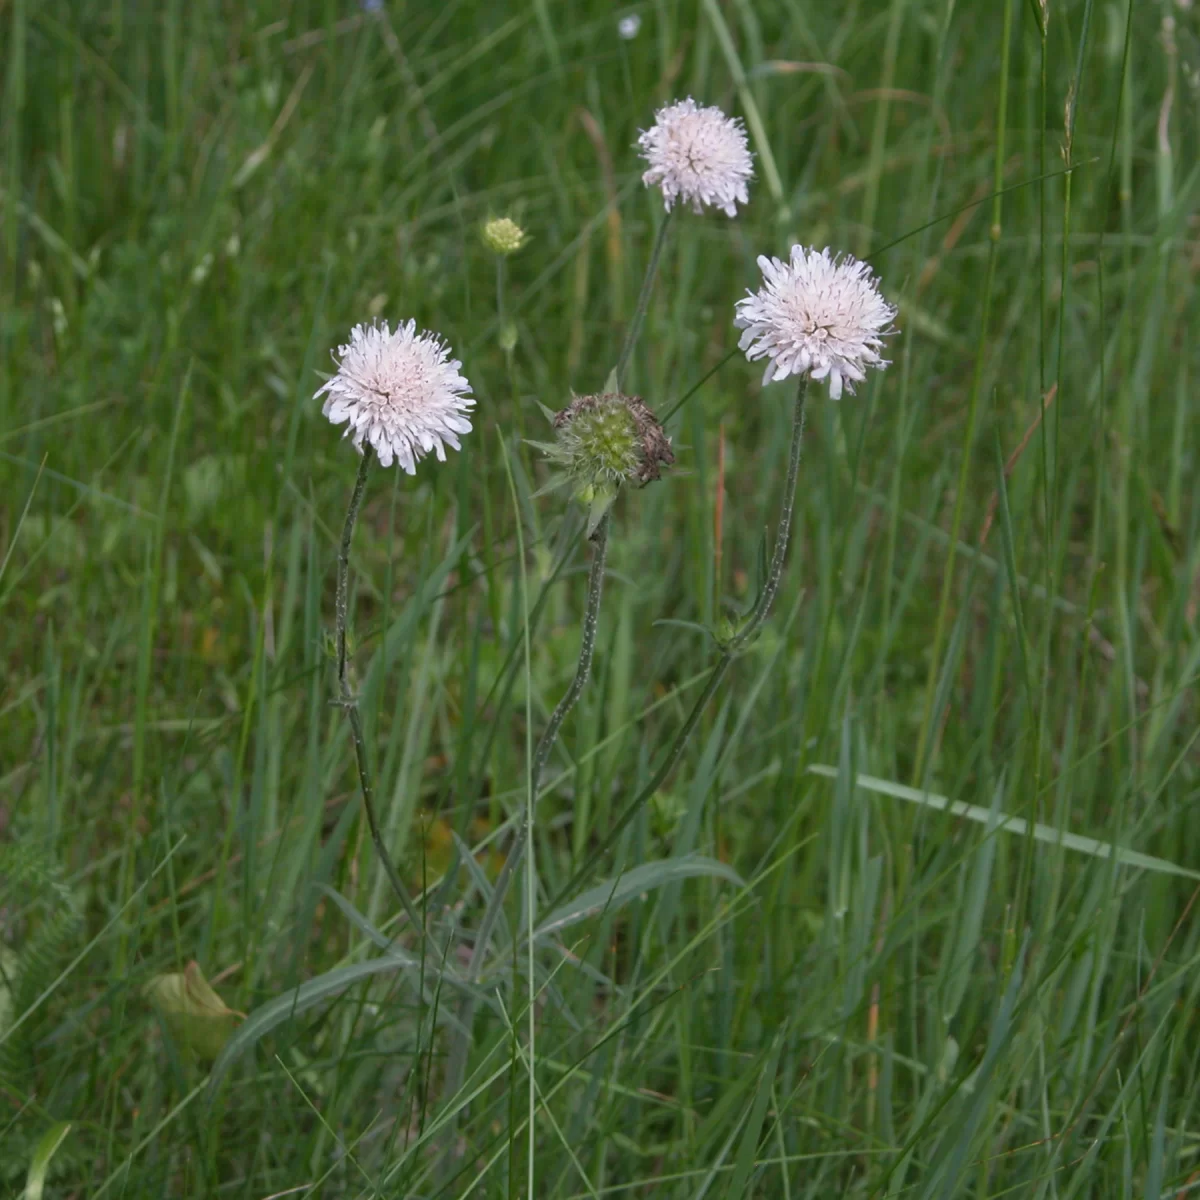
point(198, 1019)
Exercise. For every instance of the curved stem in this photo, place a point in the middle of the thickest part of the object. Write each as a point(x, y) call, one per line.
point(784, 529)
point(730, 651)
point(643, 301)
point(349, 702)
point(583, 668)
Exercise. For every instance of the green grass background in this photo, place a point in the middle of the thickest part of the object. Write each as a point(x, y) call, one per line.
point(198, 200)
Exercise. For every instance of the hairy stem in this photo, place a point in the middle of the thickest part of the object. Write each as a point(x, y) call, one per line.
point(729, 652)
point(643, 301)
point(583, 668)
point(349, 702)
point(783, 530)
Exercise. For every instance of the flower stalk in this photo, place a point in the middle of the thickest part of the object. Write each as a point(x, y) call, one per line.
point(541, 753)
point(730, 649)
point(348, 701)
point(643, 301)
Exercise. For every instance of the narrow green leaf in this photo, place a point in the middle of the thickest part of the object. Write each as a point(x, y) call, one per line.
point(965, 937)
point(601, 501)
point(612, 894)
point(45, 1150)
point(1017, 825)
point(1156, 1164)
point(365, 927)
point(291, 1004)
point(743, 1165)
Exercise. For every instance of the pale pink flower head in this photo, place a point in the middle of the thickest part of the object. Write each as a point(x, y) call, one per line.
point(400, 392)
point(698, 155)
point(817, 315)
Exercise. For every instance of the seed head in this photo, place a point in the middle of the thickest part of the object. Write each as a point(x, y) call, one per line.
point(605, 441)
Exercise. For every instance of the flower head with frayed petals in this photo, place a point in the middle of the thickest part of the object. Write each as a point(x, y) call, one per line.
point(698, 155)
point(400, 392)
point(817, 315)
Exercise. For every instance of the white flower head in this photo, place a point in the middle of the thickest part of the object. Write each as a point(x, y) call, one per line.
point(698, 155)
point(627, 27)
point(817, 315)
point(400, 392)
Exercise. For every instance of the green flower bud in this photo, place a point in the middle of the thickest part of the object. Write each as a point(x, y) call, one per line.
point(503, 236)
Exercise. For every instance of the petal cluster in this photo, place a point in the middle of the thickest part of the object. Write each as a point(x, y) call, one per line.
point(816, 315)
point(698, 155)
point(400, 392)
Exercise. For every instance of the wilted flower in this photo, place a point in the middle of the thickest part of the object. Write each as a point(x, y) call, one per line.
point(502, 235)
point(602, 442)
point(400, 392)
point(817, 315)
point(698, 155)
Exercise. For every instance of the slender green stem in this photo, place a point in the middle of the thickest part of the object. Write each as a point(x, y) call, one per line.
point(587, 646)
point(349, 702)
point(643, 300)
point(538, 760)
point(583, 668)
point(341, 604)
point(783, 532)
point(729, 652)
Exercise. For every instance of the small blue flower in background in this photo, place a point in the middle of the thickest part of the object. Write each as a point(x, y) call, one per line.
point(371, 5)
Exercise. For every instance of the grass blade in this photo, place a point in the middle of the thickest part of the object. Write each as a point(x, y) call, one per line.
point(1017, 825)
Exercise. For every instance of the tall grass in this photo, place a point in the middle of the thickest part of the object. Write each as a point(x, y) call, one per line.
point(914, 913)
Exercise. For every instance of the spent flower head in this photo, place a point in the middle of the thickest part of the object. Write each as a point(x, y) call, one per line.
point(602, 442)
point(817, 315)
point(400, 392)
point(503, 236)
point(698, 155)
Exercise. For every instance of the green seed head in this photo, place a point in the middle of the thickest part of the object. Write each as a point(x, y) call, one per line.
point(610, 440)
point(605, 441)
point(599, 442)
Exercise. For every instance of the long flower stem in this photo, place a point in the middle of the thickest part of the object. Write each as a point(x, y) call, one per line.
point(643, 301)
point(783, 531)
point(349, 702)
point(583, 668)
point(729, 652)
point(541, 754)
